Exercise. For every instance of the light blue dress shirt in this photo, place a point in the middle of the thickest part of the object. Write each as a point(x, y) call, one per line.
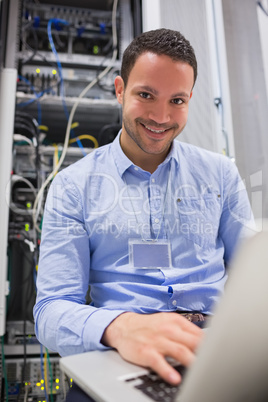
point(195, 199)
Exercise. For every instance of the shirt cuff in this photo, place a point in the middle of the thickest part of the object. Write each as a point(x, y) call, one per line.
point(96, 324)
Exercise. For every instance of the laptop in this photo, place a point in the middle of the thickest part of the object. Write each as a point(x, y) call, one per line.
point(231, 363)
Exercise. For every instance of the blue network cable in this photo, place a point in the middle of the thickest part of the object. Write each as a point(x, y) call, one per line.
point(37, 96)
point(57, 22)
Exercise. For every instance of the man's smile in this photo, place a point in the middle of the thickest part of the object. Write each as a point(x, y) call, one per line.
point(155, 131)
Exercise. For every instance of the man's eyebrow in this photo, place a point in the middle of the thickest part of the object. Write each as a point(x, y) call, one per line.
point(147, 88)
point(181, 94)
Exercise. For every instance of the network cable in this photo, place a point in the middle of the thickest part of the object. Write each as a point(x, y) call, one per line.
point(71, 116)
point(56, 22)
point(85, 137)
point(42, 369)
point(37, 96)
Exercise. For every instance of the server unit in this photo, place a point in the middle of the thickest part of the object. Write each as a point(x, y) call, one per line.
point(61, 58)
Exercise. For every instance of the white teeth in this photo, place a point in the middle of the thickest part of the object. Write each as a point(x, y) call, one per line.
point(155, 131)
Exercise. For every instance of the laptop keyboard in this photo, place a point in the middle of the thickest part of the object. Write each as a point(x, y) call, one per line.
point(156, 388)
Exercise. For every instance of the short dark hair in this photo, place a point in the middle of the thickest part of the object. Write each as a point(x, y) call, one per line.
point(162, 42)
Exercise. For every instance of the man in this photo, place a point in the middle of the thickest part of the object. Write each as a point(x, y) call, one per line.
point(148, 222)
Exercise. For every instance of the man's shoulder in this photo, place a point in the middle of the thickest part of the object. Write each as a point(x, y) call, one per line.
point(94, 160)
point(196, 153)
point(79, 173)
point(185, 147)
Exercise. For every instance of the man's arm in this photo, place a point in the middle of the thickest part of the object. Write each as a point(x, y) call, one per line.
point(237, 220)
point(147, 339)
point(63, 322)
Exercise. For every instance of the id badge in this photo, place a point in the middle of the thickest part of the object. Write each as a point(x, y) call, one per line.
point(149, 254)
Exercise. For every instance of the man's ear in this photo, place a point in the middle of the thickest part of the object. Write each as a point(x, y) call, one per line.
point(119, 88)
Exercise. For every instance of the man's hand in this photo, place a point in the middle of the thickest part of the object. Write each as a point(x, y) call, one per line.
point(146, 339)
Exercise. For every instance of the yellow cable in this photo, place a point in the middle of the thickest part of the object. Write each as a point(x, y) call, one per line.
point(43, 128)
point(84, 137)
point(45, 372)
point(74, 125)
point(71, 116)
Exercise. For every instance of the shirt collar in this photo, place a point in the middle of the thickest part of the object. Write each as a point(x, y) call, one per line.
point(173, 153)
point(123, 163)
point(121, 160)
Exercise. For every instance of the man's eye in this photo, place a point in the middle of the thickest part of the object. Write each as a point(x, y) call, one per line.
point(177, 101)
point(145, 95)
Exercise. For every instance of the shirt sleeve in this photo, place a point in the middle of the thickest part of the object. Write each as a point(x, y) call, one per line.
point(237, 221)
point(63, 322)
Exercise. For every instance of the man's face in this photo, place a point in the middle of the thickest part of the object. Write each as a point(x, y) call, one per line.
point(155, 105)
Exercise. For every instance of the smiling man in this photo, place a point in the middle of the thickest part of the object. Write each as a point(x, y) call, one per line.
point(148, 222)
point(155, 107)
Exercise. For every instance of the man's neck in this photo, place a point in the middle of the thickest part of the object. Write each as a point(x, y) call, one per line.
point(146, 161)
point(150, 163)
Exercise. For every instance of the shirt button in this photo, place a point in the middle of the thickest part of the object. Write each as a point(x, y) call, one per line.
point(174, 302)
point(153, 180)
point(136, 168)
point(156, 220)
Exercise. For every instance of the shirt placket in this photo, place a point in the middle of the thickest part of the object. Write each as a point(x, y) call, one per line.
point(140, 209)
point(156, 209)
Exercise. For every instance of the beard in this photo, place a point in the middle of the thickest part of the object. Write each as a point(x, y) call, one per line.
point(156, 146)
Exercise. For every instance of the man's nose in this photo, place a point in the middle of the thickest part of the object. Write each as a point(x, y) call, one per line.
point(160, 113)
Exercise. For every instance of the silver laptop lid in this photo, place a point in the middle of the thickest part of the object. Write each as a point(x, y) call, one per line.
point(232, 363)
